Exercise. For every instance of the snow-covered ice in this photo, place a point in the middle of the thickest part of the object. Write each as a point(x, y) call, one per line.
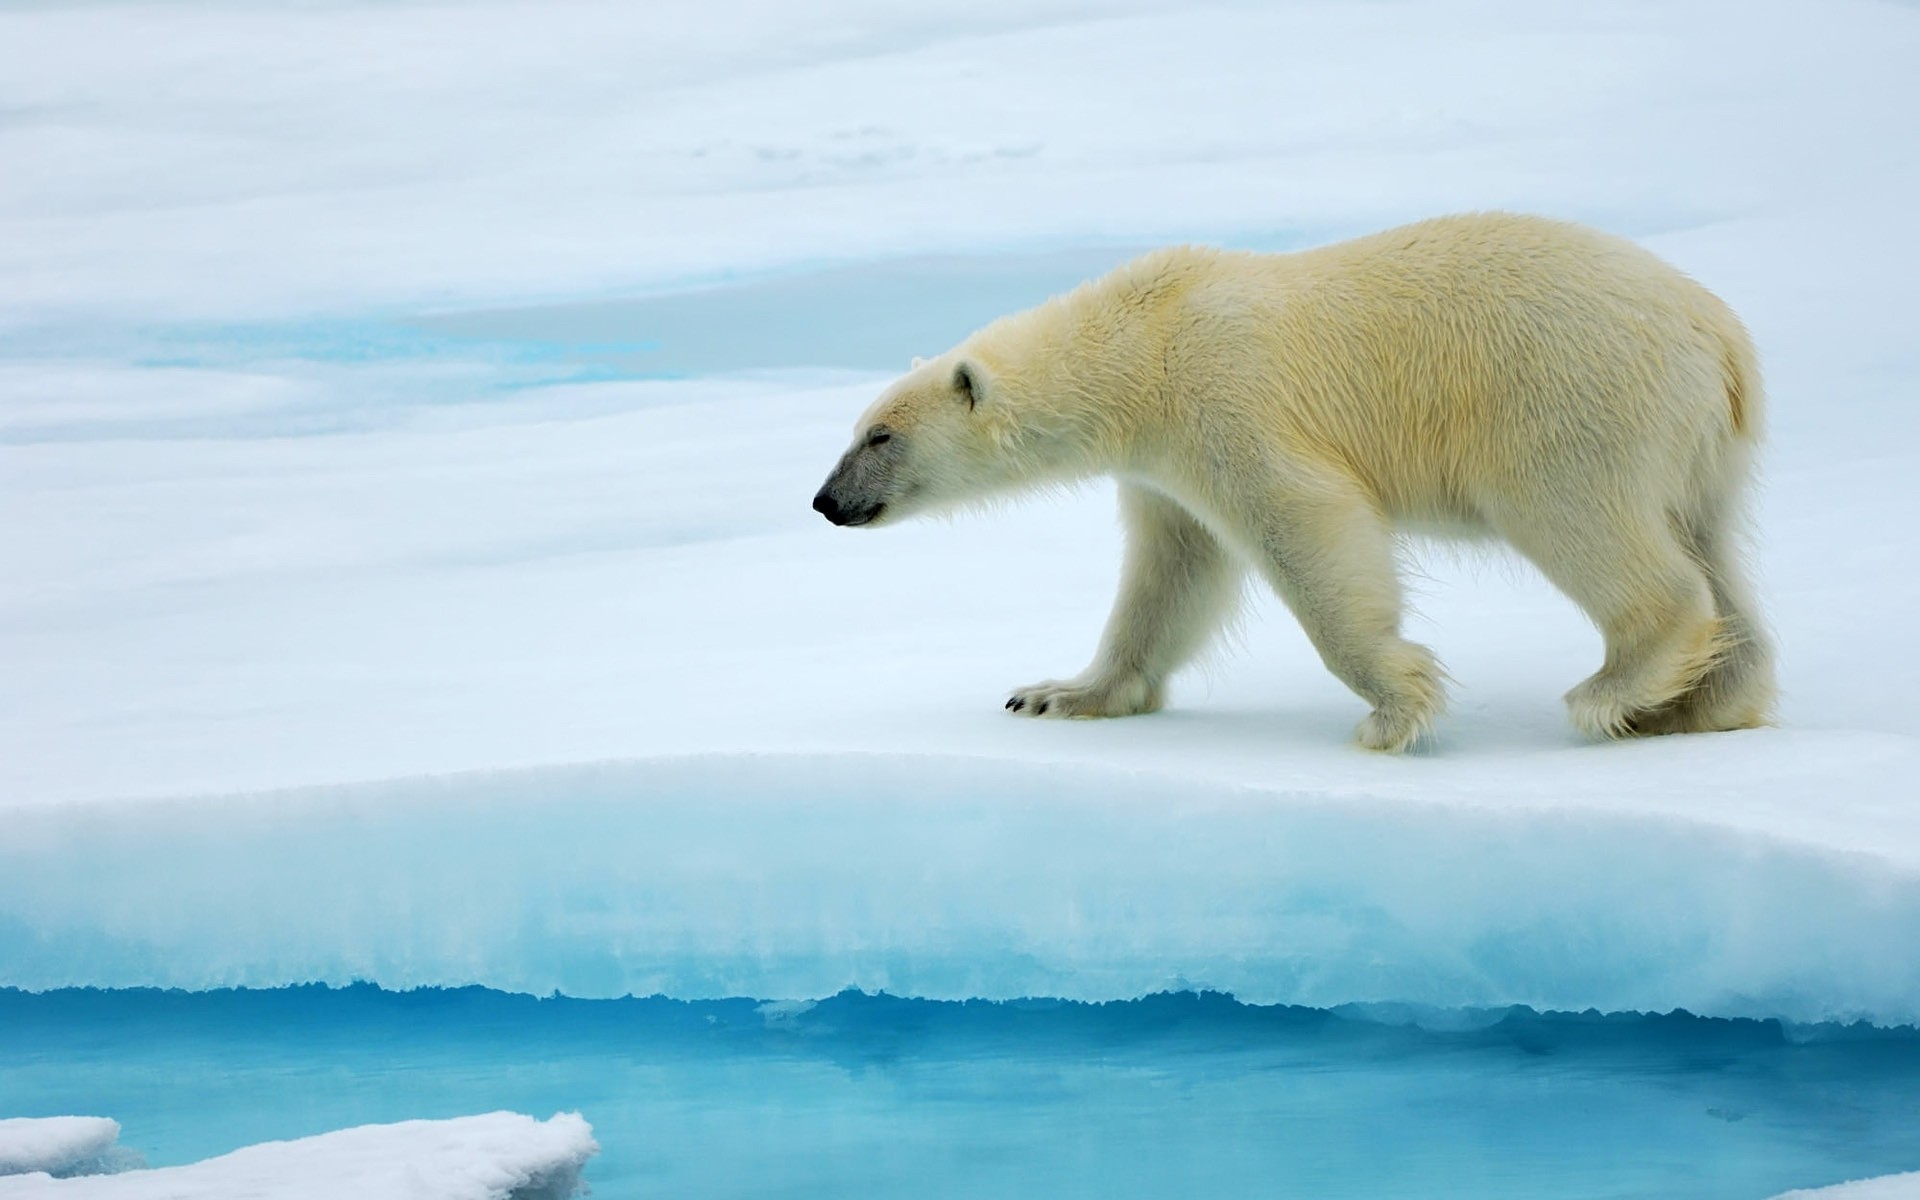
point(59, 1146)
point(494, 1156)
point(335, 447)
point(627, 570)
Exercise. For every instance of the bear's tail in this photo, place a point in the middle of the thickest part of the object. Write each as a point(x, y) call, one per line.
point(1740, 371)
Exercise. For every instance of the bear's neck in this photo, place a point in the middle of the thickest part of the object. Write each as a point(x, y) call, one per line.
point(1089, 370)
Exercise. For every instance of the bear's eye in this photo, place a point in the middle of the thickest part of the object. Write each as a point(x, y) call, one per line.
point(879, 437)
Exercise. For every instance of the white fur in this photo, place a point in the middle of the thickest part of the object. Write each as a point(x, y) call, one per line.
point(1503, 376)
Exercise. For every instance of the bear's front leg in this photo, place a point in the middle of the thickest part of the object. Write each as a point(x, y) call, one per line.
point(1329, 555)
point(1176, 589)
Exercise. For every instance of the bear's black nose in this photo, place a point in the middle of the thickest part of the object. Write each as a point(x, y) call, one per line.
point(828, 507)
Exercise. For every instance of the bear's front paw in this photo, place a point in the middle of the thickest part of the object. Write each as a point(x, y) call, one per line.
point(1415, 695)
point(1115, 697)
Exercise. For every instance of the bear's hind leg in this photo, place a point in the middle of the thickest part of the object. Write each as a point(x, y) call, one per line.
point(1330, 557)
point(1177, 587)
point(1737, 690)
point(1653, 605)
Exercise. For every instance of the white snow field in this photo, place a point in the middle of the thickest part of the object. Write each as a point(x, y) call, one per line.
point(495, 1156)
point(409, 414)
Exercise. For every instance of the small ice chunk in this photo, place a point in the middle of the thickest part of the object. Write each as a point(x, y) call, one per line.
point(61, 1146)
point(495, 1156)
point(781, 1014)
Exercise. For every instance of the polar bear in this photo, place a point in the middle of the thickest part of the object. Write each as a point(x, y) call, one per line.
point(1489, 375)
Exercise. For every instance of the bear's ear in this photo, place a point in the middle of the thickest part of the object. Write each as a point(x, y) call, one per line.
point(918, 362)
point(969, 382)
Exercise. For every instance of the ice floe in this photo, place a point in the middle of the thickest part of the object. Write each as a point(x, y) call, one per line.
point(495, 1156)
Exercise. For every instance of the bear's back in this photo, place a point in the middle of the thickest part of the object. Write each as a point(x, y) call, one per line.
point(1449, 355)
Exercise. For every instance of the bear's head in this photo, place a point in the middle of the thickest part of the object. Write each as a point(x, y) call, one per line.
point(944, 434)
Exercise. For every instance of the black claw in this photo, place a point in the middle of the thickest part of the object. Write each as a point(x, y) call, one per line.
point(1042, 710)
point(1016, 703)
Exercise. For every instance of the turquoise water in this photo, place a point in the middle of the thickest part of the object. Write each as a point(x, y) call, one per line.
point(1177, 1094)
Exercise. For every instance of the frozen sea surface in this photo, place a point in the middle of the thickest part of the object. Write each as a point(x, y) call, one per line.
point(1174, 1094)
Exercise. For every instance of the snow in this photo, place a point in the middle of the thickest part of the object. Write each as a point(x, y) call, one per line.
point(408, 417)
point(232, 161)
point(495, 1156)
point(59, 1145)
point(1886, 1187)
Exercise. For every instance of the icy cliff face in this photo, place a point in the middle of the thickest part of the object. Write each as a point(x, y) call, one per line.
point(797, 877)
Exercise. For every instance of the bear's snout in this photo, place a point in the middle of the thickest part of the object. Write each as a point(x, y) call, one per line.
point(828, 507)
point(860, 486)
